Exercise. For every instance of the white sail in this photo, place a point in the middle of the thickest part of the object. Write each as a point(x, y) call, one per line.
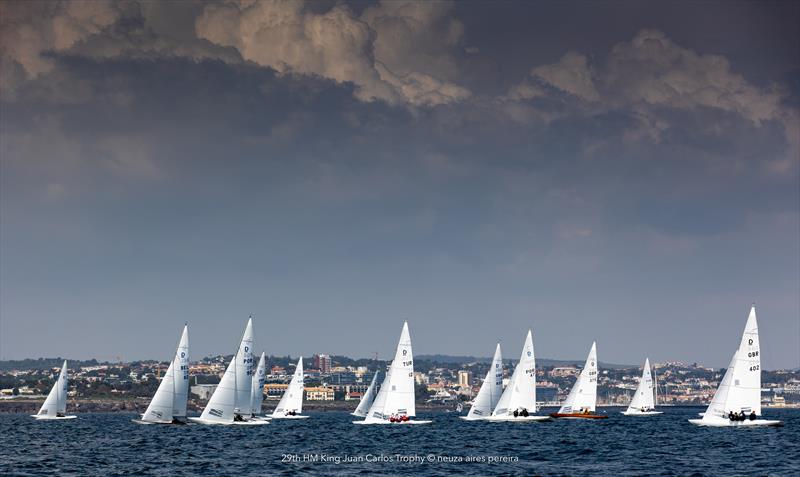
point(258, 385)
point(740, 389)
point(367, 399)
point(292, 400)
point(583, 395)
point(643, 399)
point(169, 401)
point(396, 396)
point(244, 373)
point(221, 407)
point(491, 389)
point(56, 403)
point(521, 390)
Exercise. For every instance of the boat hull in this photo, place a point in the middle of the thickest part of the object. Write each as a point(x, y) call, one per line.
point(727, 423)
point(274, 416)
point(410, 422)
point(518, 419)
point(557, 415)
point(51, 418)
point(640, 413)
point(209, 422)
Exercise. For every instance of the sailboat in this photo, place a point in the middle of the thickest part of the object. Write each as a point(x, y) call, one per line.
point(740, 389)
point(580, 403)
point(230, 403)
point(55, 406)
point(394, 403)
point(490, 392)
point(291, 404)
point(643, 402)
point(257, 392)
point(367, 398)
point(168, 405)
point(518, 402)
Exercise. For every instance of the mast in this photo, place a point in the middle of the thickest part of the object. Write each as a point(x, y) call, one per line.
point(655, 386)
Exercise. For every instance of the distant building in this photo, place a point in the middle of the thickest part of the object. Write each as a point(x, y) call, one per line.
point(323, 363)
point(565, 371)
point(203, 391)
point(275, 391)
point(353, 396)
point(319, 394)
point(464, 379)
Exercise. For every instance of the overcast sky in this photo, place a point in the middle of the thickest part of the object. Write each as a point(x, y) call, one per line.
point(626, 172)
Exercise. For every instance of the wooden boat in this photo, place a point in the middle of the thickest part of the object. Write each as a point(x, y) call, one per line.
point(577, 415)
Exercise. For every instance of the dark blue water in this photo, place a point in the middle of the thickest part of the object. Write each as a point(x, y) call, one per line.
point(109, 444)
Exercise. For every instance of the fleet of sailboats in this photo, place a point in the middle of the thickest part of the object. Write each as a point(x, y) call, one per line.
point(238, 398)
point(394, 403)
point(168, 405)
point(582, 399)
point(55, 406)
point(231, 401)
point(518, 402)
point(737, 401)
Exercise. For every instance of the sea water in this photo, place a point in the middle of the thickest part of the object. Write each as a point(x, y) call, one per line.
point(329, 444)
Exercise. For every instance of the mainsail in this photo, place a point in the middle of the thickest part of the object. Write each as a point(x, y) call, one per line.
point(221, 407)
point(292, 400)
point(491, 389)
point(396, 396)
point(521, 390)
point(257, 396)
point(169, 401)
point(740, 389)
point(583, 395)
point(368, 398)
point(244, 373)
point(56, 403)
point(643, 398)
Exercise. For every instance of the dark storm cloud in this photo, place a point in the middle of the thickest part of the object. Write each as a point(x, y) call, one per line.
point(584, 166)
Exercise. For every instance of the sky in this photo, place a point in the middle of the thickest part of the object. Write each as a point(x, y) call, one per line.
point(625, 172)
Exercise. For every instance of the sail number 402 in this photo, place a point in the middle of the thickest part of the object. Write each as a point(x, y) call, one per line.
point(755, 368)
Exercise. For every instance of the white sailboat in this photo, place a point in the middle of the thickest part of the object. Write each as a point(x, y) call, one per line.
point(518, 402)
point(168, 405)
point(55, 406)
point(643, 402)
point(257, 394)
point(394, 403)
point(739, 393)
point(367, 398)
point(491, 390)
point(291, 404)
point(230, 403)
point(582, 399)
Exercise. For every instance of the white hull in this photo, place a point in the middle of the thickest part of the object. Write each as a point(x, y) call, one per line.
point(260, 418)
point(467, 418)
point(61, 418)
point(518, 419)
point(640, 413)
point(162, 423)
point(728, 423)
point(274, 416)
point(392, 423)
point(210, 422)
